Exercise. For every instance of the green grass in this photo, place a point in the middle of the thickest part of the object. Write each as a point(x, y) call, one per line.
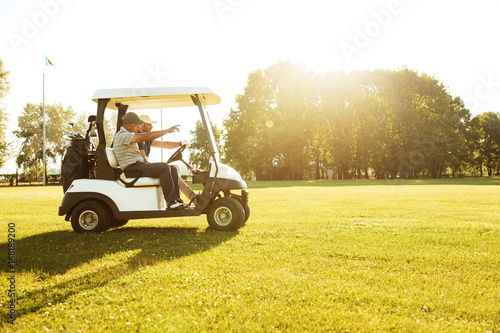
point(415, 255)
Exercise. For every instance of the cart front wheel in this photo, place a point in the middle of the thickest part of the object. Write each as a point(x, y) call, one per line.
point(247, 213)
point(226, 214)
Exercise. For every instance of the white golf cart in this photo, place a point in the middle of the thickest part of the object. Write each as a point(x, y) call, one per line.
point(108, 199)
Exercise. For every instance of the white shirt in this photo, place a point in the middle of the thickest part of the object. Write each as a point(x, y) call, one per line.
point(126, 153)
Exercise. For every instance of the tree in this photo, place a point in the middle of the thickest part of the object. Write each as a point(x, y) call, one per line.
point(363, 103)
point(487, 130)
point(291, 84)
point(4, 145)
point(462, 154)
point(423, 133)
point(200, 150)
point(81, 125)
point(30, 131)
point(4, 89)
point(474, 144)
point(249, 129)
point(265, 134)
point(289, 122)
point(335, 103)
point(419, 126)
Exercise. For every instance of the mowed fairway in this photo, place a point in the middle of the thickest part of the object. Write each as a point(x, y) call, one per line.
point(416, 255)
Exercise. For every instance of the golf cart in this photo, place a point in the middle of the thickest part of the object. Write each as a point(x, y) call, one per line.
point(109, 199)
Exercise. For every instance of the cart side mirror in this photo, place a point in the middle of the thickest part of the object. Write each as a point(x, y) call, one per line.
point(92, 118)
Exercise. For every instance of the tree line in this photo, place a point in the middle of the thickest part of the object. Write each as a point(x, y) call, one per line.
point(291, 123)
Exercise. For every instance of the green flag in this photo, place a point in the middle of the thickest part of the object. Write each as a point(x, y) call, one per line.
point(48, 62)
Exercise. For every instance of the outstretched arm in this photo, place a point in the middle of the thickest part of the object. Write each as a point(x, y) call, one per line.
point(165, 144)
point(150, 136)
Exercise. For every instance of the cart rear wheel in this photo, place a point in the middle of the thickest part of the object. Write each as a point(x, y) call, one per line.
point(90, 217)
point(226, 214)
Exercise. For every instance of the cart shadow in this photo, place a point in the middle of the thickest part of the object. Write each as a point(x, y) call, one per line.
point(56, 253)
point(59, 251)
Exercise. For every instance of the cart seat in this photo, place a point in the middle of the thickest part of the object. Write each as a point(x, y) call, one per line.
point(129, 182)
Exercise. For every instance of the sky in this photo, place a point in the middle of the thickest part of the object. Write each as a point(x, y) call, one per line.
point(218, 43)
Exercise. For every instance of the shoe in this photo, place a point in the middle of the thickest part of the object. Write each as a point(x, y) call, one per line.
point(174, 205)
point(184, 205)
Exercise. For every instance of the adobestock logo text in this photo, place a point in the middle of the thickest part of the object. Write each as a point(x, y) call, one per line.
point(31, 26)
point(363, 36)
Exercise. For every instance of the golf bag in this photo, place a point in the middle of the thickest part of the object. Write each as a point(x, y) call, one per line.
point(78, 162)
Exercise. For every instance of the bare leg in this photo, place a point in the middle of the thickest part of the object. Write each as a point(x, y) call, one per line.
point(183, 187)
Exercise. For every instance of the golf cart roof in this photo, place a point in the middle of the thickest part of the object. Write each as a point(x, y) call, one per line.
point(155, 98)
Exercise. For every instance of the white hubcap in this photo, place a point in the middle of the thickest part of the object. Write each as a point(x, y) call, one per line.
point(88, 220)
point(223, 216)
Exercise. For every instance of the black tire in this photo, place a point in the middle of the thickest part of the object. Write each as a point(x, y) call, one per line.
point(90, 217)
point(247, 213)
point(119, 223)
point(226, 214)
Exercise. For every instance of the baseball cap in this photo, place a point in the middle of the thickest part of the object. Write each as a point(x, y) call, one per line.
point(131, 118)
point(145, 118)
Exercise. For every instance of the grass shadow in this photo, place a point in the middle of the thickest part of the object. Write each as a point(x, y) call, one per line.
point(55, 253)
point(58, 251)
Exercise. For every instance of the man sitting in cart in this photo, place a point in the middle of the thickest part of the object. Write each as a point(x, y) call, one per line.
point(145, 149)
point(130, 160)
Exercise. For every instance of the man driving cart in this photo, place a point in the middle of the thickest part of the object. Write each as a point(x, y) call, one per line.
point(131, 161)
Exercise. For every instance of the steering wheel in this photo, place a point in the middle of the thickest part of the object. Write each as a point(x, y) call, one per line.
point(177, 155)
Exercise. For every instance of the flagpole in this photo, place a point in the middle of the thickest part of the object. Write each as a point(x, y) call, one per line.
point(43, 125)
point(161, 127)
